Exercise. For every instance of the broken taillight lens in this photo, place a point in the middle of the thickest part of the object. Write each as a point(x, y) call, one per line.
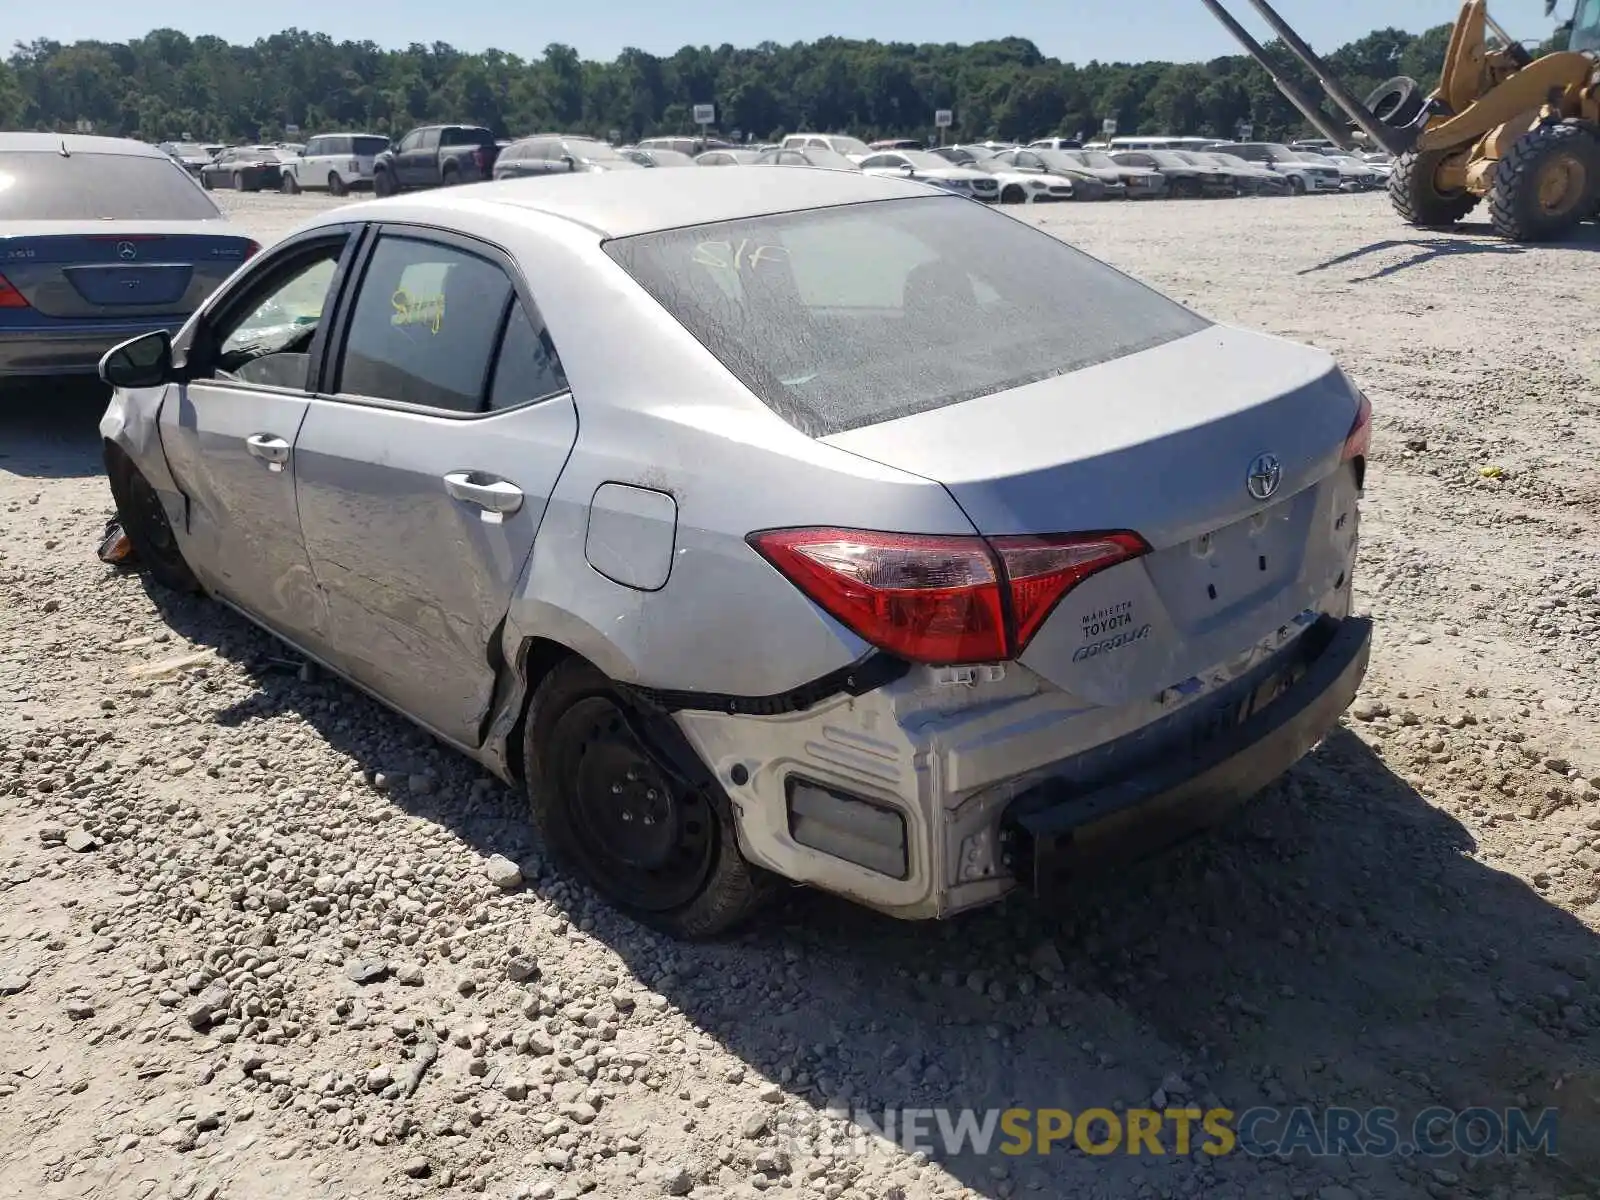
point(1359, 439)
point(9, 296)
point(937, 599)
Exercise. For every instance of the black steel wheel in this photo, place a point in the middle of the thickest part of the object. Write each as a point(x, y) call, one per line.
point(145, 522)
point(655, 844)
point(650, 840)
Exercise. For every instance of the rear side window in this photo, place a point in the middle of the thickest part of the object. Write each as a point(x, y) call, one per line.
point(37, 186)
point(528, 367)
point(467, 137)
point(424, 326)
point(842, 317)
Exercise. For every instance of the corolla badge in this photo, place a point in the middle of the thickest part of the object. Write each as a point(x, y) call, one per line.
point(127, 250)
point(1265, 475)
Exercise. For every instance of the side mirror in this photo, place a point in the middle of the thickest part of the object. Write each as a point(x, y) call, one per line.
point(572, 163)
point(141, 362)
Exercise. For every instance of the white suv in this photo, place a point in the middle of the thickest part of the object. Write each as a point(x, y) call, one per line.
point(336, 162)
point(852, 148)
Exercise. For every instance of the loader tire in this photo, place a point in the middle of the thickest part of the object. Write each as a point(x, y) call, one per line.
point(1546, 184)
point(1416, 196)
point(1398, 102)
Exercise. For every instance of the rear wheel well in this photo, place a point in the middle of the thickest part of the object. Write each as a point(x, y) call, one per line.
point(538, 657)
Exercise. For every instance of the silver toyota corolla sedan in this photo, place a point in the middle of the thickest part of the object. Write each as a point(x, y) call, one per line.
point(774, 525)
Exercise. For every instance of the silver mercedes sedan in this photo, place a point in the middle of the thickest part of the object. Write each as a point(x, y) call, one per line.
point(769, 525)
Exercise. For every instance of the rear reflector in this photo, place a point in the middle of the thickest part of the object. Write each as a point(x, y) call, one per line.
point(848, 827)
point(1359, 440)
point(9, 296)
point(937, 599)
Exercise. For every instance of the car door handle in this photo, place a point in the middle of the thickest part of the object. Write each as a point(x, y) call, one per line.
point(497, 498)
point(273, 451)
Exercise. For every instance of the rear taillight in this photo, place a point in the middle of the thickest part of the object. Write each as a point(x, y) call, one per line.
point(1359, 439)
point(9, 296)
point(251, 249)
point(481, 156)
point(935, 599)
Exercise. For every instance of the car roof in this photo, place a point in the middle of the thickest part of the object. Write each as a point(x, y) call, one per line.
point(621, 205)
point(80, 143)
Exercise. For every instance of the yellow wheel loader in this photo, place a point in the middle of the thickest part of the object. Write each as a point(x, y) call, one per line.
point(1521, 132)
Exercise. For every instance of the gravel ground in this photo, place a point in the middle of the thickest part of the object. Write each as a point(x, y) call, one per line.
point(254, 941)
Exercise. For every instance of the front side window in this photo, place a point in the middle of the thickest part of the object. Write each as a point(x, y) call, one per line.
point(424, 325)
point(430, 139)
point(268, 341)
point(842, 317)
point(411, 141)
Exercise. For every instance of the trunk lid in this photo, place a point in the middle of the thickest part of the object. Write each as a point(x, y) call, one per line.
point(141, 268)
point(1162, 443)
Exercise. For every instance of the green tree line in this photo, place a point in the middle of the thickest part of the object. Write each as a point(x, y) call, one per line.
point(168, 86)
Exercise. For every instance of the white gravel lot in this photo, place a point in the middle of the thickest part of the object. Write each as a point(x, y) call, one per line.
point(200, 857)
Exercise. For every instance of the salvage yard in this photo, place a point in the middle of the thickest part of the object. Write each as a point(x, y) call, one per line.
point(260, 938)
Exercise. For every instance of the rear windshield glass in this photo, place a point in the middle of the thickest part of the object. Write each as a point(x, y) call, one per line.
point(39, 186)
point(366, 146)
point(843, 317)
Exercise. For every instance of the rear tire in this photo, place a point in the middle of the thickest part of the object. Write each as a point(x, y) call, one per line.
point(1547, 184)
point(145, 522)
point(655, 847)
point(336, 184)
point(451, 177)
point(1415, 194)
point(1012, 194)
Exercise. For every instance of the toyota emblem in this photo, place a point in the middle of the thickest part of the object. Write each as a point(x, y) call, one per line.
point(126, 250)
point(1264, 477)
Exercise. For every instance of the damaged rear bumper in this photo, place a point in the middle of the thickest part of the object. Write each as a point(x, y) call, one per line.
point(1058, 831)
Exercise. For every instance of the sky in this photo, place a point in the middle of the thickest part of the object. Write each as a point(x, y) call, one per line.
point(1071, 30)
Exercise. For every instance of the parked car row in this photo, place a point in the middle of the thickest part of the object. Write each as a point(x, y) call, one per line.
point(990, 172)
point(1044, 170)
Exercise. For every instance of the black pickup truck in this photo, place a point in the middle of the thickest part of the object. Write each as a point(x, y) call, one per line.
point(435, 156)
